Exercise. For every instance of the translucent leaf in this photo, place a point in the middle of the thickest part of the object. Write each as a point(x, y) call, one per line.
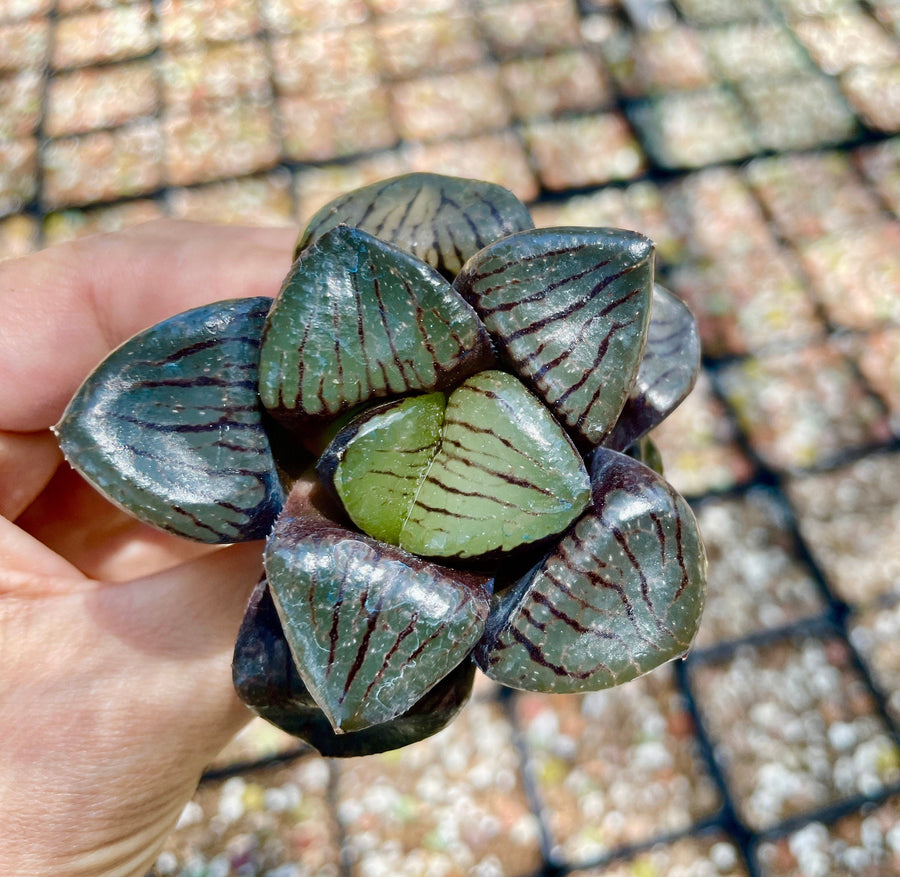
point(620, 594)
point(266, 679)
point(488, 473)
point(358, 319)
point(378, 462)
point(441, 220)
point(372, 628)
point(169, 426)
point(568, 309)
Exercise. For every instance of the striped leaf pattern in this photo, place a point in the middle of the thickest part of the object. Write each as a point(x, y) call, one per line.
point(266, 679)
point(169, 426)
point(377, 463)
point(568, 309)
point(441, 220)
point(371, 627)
point(505, 475)
point(358, 319)
point(620, 594)
point(667, 372)
point(488, 473)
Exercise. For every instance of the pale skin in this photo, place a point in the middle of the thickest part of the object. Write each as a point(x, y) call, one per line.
point(115, 638)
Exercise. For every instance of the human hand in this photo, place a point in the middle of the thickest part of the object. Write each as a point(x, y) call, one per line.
point(115, 638)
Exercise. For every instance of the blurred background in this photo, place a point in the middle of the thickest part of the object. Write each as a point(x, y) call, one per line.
point(756, 142)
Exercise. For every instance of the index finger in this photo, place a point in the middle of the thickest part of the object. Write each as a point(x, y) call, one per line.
point(66, 307)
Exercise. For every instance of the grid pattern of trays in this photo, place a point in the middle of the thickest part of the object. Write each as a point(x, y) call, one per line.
point(756, 141)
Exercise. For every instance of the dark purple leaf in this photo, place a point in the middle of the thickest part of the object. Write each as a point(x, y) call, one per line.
point(372, 628)
point(266, 679)
point(440, 220)
point(667, 372)
point(620, 594)
point(568, 309)
point(169, 426)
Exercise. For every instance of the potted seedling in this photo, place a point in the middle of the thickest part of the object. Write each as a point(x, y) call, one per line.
point(439, 427)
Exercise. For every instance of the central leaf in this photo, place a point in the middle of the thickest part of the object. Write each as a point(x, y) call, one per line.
point(483, 471)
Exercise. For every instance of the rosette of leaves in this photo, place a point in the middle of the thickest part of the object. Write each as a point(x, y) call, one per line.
point(439, 425)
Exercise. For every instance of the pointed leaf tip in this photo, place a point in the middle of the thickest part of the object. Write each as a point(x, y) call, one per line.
point(359, 319)
point(621, 593)
point(266, 679)
point(371, 627)
point(568, 309)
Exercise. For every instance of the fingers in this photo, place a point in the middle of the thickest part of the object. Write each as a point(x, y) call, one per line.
point(28, 565)
point(72, 519)
point(27, 463)
point(133, 677)
point(64, 308)
point(175, 632)
point(152, 656)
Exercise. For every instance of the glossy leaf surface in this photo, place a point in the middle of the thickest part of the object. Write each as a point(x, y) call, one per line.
point(569, 310)
point(371, 627)
point(667, 372)
point(620, 594)
point(266, 679)
point(169, 426)
point(358, 319)
point(487, 474)
point(377, 464)
point(441, 220)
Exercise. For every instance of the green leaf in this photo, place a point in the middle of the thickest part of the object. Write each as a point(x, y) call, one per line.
point(266, 679)
point(372, 628)
point(358, 319)
point(377, 464)
point(489, 473)
point(667, 372)
point(568, 309)
point(441, 220)
point(645, 451)
point(169, 428)
point(620, 594)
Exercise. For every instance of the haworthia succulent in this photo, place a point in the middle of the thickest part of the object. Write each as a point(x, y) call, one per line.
point(449, 365)
point(488, 473)
point(667, 372)
point(372, 628)
point(266, 679)
point(621, 593)
point(169, 426)
point(441, 220)
point(568, 309)
point(358, 319)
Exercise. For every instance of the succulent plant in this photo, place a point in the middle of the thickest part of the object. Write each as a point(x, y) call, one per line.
point(439, 426)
